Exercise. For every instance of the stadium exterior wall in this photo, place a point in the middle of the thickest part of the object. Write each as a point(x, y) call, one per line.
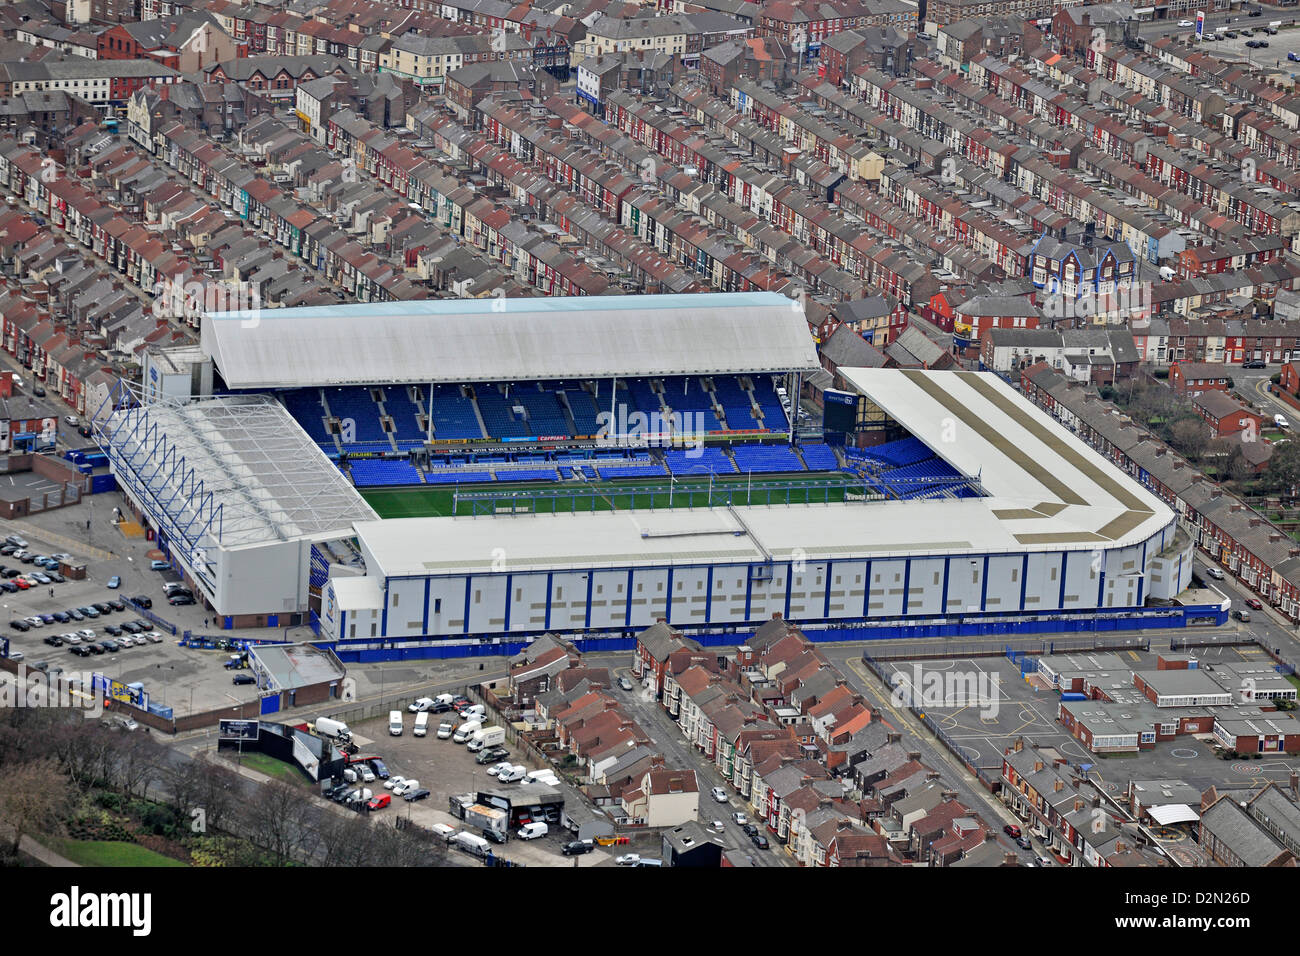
point(919, 596)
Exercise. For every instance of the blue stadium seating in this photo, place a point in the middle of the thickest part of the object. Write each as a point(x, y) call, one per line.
point(584, 410)
point(685, 395)
point(699, 461)
point(644, 469)
point(497, 414)
point(904, 451)
point(774, 417)
point(305, 406)
point(771, 458)
point(820, 457)
point(545, 417)
point(735, 402)
point(452, 414)
point(526, 474)
point(354, 402)
point(455, 477)
point(639, 396)
point(368, 472)
point(406, 421)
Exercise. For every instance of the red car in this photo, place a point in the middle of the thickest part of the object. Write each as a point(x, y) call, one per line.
point(379, 802)
point(22, 583)
point(1254, 604)
point(1011, 830)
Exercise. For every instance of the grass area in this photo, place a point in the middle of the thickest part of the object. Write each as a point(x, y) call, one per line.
point(1294, 679)
point(106, 852)
point(276, 769)
point(657, 492)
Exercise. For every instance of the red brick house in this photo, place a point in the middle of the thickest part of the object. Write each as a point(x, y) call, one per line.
point(1192, 378)
point(1227, 416)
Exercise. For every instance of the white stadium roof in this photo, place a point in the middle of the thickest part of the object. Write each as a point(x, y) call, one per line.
point(270, 480)
point(1047, 491)
point(499, 340)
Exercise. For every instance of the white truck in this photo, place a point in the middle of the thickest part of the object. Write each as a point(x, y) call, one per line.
point(395, 723)
point(333, 729)
point(485, 737)
point(471, 843)
point(421, 724)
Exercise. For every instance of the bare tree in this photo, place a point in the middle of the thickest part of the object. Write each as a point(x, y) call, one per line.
point(138, 759)
point(184, 782)
point(218, 794)
point(277, 820)
point(345, 840)
point(31, 796)
point(1191, 436)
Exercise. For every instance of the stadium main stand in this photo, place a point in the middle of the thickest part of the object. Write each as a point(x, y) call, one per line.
point(774, 417)
point(371, 472)
point(405, 416)
point(498, 413)
point(305, 405)
point(904, 451)
point(355, 404)
point(699, 461)
point(735, 403)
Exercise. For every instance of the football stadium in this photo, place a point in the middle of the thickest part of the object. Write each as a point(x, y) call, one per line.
point(453, 477)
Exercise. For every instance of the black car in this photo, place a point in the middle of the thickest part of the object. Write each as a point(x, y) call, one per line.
point(93, 648)
point(110, 646)
point(1254, 364)
point(53, 641)
point(491, 755)
point(143, 600)
point(146, 626)
point(61, 617)
point(9, 549)
point(750, 830)
point(179, 600)
point(20, 625)
point(79, 650)
point(577, 847)
point(75, 614)
point(103, 607)
point(113, 630)
point(244, 679)
point(1022, 841)
point(415, 795)
point(131, 627)
point(8, 587)
point(55, 576)
point(337, 792)
point(117, 604)
point(760, 840)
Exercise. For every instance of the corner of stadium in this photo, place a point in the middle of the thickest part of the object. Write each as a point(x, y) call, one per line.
point(455, 477)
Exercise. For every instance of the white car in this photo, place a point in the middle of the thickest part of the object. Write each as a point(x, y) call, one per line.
point(740, 818)
point(72, 420)
point(628, 859)
point(86, 634)
point(1214, 573)
point(406, 786)
point(718, 794)
point(153, 637)
point(1186, 23)
point(513, 775)
point(392, 783)
point(70, 638)
point(718, 826)
point(421, 704)
point(497, 768)
point(35, 621)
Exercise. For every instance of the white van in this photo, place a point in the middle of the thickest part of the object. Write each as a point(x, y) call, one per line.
point(1281, 422)
point(465, 731)
point(531, 831)
point(395, 723)
point(474, 712)
point(545, 775)
point(470, 843)
point(421, 724)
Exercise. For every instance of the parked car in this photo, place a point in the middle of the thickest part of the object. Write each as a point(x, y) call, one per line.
point(20, 625)
point(88, 611)
point(1254, 604)
point(159, 565)
point(87, 633)
point(577, 847)
point(420, 705)
point(110, 646)
point(445, 729)
point(414, 795)
point(379, 802)
point(180, 600)
point(113, 630)
point(533, 830)
point(1011, 830)
point(624, 683)
point(628, 859)
point(749, 829)
point(80, 651)
point(496, 769)
point(380, 768)
point(117, 604)
point(406, 786)
point(718, 794)
point(243, 679)
point(392, 782)
point(759, 839)
point(114, 582)
point(53, 641)
point(513, 775)
point(1022, 841)
point(142, 600)
point(1215, 573)
point(491, 754)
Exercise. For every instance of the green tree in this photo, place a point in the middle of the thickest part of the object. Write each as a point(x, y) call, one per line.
point(1283, 470)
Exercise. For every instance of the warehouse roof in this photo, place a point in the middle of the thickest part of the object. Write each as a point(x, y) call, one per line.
point(498, 340)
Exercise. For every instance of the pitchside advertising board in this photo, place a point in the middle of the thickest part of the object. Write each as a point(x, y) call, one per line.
point(237, 729)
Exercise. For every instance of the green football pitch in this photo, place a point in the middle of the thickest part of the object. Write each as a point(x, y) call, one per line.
point(621, 495)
